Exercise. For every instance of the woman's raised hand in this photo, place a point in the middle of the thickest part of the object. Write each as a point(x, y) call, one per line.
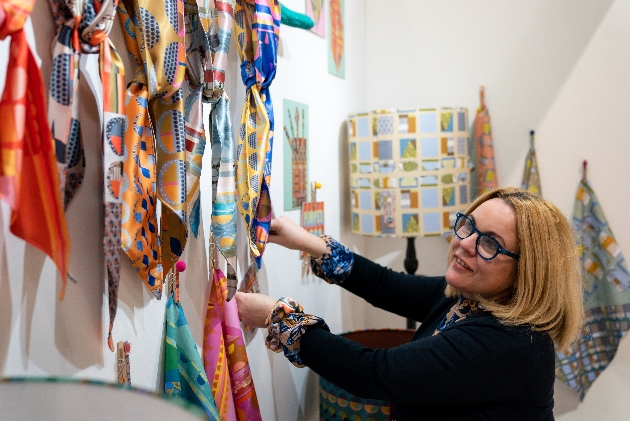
point(288, 234)
point(253, 308)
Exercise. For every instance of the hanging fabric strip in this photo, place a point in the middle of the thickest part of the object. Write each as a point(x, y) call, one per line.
point(219, 31)
point(115, 123)
point(223, 329)
point(184, 375)
point(223, 224)
point(29, 182)
point(214, 346)
point(197, 57)
point(484, 148)
point(531, 177)
point(257, 28)
point(63, 96)
point(606, 295)
point(139, 231)
point(158, 30)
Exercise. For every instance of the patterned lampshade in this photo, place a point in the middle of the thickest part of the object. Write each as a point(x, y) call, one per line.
point(409, 171)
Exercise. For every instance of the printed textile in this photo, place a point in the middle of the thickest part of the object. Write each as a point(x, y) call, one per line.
point(484, 149)
point(83, 26)
point(531, 177)
point(257, 29)
point(184, 375)
point(335, 265)
point(606, 295)
point(461, 309)
point(286, 324)
point(29, 182)
point(155, 36)
point(225, 356)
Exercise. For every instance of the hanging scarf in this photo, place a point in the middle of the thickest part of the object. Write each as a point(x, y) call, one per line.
point(83, 26)
point(28, 174)
point(197, 59)
point(485, 166)
point(158, 32)
point(257, 29)
point(225, 356)
point(531, 177)
point(139, 222)
point(184, 375)
point(606, 295)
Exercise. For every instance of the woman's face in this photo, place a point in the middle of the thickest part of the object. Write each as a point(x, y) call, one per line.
point(471, 274)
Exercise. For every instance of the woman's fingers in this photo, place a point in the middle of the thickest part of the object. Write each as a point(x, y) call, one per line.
point(253, 308)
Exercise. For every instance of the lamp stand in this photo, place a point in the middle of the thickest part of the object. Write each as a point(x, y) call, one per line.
point(411, 265)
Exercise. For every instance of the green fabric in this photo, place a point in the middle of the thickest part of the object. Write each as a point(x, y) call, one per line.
point(297, 20)
point(184, 374)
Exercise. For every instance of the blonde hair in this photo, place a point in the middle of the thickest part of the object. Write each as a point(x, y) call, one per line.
point(549, 293)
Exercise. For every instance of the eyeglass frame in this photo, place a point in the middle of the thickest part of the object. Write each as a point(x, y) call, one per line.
point(500, 249)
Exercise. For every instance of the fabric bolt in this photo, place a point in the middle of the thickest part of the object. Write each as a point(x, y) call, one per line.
point(223, 338)
point(139, 228)
point(531, 177)
point(285, 326)
point(335, 265)
point(484, 150)
point(606, 295)
point(184, 375)
point(29, 182)
point(158, 30)
point(257, 29)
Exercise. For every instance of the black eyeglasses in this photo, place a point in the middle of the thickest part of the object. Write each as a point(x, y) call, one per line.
point(487, 246)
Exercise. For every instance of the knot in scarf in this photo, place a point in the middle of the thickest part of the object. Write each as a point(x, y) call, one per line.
point(13, 14)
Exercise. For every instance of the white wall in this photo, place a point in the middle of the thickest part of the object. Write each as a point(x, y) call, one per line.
point(558, 67)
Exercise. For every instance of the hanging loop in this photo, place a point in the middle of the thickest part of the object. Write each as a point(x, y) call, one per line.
point(584, 163)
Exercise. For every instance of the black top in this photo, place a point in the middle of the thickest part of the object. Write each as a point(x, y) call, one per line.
point(476, 369)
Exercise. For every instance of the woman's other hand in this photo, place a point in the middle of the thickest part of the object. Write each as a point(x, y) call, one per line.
point(287, 233)
point(253, 308)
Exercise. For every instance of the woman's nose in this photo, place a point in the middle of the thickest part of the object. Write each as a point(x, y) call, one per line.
point(469, 244)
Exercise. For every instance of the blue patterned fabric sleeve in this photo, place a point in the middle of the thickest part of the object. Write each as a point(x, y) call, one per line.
point(334, 266)
point(285, 326)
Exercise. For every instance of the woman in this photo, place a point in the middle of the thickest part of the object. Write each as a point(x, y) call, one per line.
point(484, 349)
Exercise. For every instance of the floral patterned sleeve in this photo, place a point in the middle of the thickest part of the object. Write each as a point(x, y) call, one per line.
point(335, 265)
point(285, 326)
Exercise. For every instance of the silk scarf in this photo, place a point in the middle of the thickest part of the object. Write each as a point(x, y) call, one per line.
point(154, 33)
point(484, 149)
point(83, 27)
point(225, 356)
point(606, 295)
point(139, 231)
point(257, 29)
point(184, 375)
point(531, 177)
point(28, 173)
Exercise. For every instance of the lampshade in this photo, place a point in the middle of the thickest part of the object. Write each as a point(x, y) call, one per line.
point(409, 171)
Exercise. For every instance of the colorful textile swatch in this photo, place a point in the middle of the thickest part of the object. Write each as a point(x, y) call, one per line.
point(29, 182)
point(218, 24)
point(257, 29)
point(184, 375)
point(531, 177)
point(484, 145)
point(606, 295)
point(223, 337)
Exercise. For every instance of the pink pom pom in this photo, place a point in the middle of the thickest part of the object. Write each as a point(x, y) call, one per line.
point(180, 266)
